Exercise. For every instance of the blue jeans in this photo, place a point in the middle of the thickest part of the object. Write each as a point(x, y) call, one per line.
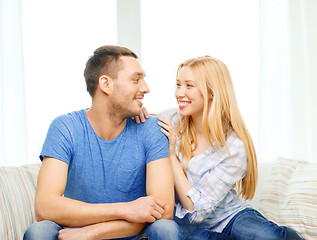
point(160, 230)
point(248, 224)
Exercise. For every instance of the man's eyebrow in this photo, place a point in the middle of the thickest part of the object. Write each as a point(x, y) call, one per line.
point(138, 74)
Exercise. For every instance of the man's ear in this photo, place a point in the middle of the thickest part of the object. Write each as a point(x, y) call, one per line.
point(105, 84)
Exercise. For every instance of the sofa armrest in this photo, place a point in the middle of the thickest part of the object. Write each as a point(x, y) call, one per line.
point(17, 192)
point(288, 196)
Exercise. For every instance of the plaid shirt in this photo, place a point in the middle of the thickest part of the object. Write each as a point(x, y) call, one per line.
point(213, 176)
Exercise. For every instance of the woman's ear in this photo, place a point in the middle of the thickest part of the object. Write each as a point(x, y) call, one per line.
point(105, 84)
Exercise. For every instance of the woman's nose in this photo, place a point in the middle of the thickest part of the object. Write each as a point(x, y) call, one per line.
point(179, 92)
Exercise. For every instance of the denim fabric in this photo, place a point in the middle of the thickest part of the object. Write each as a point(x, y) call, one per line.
point(159, 230)
point(45, 230)
point(205, 233)
point(248, 224)
point(162, 230)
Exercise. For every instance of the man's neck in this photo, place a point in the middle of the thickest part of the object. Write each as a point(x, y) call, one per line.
point(107, 125)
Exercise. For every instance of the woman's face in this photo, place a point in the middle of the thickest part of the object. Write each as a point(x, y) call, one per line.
point(189, 98)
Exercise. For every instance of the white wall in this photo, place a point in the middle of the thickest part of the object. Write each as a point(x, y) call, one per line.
point(173, 31)
point(59, 36)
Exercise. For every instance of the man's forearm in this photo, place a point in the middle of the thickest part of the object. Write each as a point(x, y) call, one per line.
point(105, 230)
point(72, 213)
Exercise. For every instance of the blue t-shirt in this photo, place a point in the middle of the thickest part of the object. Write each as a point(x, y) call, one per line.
point(104, 171)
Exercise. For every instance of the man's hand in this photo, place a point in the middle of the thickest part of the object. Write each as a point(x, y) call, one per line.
point(144, 210)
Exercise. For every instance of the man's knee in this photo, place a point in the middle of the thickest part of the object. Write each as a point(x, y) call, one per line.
point(45, 230)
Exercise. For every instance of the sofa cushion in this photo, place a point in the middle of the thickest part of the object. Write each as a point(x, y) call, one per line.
point(289, 196)
point(17, 191)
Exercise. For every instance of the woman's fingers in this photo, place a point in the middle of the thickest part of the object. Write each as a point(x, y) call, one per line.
point(164, 120)
point(136, 119)
point(145, 113)
point(167, 134)
point(142, 116)
point(167, 127)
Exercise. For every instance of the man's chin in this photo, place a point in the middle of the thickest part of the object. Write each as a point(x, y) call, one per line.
point(135, 113)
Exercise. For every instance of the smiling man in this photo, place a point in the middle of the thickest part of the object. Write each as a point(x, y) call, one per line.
point(103, 176)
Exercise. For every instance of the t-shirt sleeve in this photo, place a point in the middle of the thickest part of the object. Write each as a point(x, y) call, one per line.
point(58, 143)
point(156, 143)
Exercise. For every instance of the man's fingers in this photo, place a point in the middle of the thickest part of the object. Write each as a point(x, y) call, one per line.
point(157, 215)
point(159, 202)
point(151, 219)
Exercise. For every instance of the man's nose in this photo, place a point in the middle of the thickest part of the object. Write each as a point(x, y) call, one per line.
point(144, 87)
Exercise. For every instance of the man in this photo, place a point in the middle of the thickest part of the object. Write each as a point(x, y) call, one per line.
point(103, 176)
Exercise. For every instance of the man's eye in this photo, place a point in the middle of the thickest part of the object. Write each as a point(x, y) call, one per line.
point(178, 85)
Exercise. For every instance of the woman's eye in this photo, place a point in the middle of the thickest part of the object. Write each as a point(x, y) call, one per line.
point(190, 85)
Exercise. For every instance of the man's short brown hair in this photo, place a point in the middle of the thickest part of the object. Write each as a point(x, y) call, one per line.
point(105, 61)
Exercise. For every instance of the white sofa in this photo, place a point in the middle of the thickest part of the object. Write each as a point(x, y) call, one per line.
point(286, 193)
point(17, 191)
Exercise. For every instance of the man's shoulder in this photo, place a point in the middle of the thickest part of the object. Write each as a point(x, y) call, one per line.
point(69, 118)
point(149, 130)
point(149, 123)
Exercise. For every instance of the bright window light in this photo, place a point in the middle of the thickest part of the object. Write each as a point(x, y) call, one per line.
point(58, 37)
point(174, 31)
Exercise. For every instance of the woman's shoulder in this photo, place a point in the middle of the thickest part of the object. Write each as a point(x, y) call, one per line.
point(233, 140)
point(170, 113)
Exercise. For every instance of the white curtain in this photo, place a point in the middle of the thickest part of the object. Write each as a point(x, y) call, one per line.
point(13, 146)
point(288, 80)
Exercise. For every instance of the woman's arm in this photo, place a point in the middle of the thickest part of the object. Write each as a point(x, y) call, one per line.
point(217, 179)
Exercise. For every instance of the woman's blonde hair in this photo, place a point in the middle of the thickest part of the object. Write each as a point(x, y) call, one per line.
point(220, 115)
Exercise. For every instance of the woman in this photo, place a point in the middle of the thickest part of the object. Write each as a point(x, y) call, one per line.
point(213, 158)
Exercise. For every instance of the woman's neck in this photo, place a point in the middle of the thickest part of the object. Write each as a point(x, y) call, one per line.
point(202, 143)
point(198, 124)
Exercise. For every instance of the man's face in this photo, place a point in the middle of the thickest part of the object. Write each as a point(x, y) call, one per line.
point(129, 88)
